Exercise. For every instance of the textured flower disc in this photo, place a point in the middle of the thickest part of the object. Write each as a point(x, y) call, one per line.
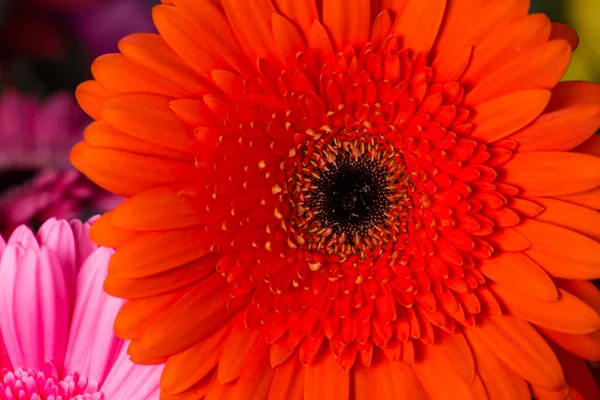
point(358, 199)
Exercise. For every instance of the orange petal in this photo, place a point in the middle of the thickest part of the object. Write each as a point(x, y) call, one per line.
point(448, 67)
point(319, 376)
point(251, 23)
point(565, 32)
point(183, 35)
point(589, 198)
point(104, 233)
point(560, 130)
point(447, 369)
point(505, 43)
point(572, 93)
point(163, 208)
point(521, 348)
point(151, 52)
point(289, 40)
point(568, 314)
point(194, 112)
point(175, 331)
point(498, 118)
point(571, 216)
point(288, 381)
point(90, 96)
point(125, 173)
point(500, 381)
point(387, 380)
point(347, 22)
point(540, 67)
point(590, 146)
point(319, 42)
point(219, 391)
point(150, 118)
point(197, 391)
point(133, 288)
point(208, 18)
point(508, 239)
point(255, 380)
point(154, 252)
point(137, 314)
point(551, 173)
point(381, 28)
point(204, 356)
point(101, 134)
point(585, 346)
point(419, 23)
point(578, 375)
point(585, 290)
point(118, 75)
point(562, 252)
point(237, 348)
point(519, 273)
point(301, 12)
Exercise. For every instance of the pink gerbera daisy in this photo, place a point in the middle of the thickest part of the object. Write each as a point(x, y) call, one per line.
point(36, 138)
point(57, 339)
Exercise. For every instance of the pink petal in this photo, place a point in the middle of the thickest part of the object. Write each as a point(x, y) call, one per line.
point(93, 346)
point(127, 380)
point(84, 245)
point(35, 318)
point(24, 237)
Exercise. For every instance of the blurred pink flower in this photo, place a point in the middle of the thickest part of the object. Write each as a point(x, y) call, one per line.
point(56, 325)
point(37, 136)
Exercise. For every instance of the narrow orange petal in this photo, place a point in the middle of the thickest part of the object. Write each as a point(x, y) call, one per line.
point(508, 239)
point(573, 93)
point(419, 23)
point(176, 278)
point(585, 346)
point(519, 273)
point(578, 375)
point(319, 376)
point(568, 314)
point(137, 314)
point(590, 146)
point(256, 376)
point(498, 118)
point(237, 348)
point(387, 380)
point(163, 208)
point(551, 173)
point(204, 356)
point(288, 381)
point(505, 43)
point(302, 12)
point(561, 129)
point(101, 134)
point(589, 198)
point(209, 18)
point(347, 22)
point(449, 67)
point(149, 118)
point(175, 331)
point(104, 233)
point(500, 381)
point(521, 348)
point(251, 23)
point(540, 67)
point(289, 41)
point(319, 42)
point(562, 252)
point(151, 52)
point(571, 216)
point(126, 173)
point(155, 252)
point(565, 32)
point(90, 96)
point(118, 75)
point(381, 28)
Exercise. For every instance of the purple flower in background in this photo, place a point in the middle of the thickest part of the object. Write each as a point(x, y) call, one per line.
point(36, 137)
point(101, 25)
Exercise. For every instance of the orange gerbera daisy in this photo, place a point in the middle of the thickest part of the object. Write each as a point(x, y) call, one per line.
point(359, 199)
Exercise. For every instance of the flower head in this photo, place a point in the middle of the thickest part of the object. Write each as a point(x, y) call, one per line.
point(56, 337)
point(36, 138)
point(350, 199)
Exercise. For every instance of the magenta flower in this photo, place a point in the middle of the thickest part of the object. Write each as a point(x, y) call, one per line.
point(37, 136)
point(56, 325)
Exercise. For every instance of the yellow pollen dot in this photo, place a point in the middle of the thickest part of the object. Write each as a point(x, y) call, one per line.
point(314, 266)
point(262, 164)
point(277, 213)
point(268, 246)
point(276, 189)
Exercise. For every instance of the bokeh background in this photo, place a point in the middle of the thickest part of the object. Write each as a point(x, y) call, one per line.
point(46, 50)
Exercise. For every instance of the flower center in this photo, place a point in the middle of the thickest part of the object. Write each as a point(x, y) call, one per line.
point(29, 384)
point(348, 193)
